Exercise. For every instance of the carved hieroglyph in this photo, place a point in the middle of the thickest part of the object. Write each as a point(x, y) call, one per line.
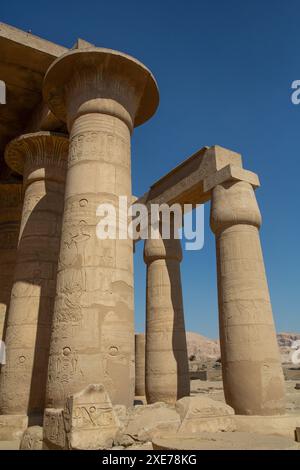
point(87, 421)
point(102, 95)
point(10, 217)
point(41, 157)
point(251, 366)
point(140, 344)
point(167, 375)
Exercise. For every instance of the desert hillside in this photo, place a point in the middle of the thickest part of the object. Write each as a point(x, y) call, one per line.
point(203, 348)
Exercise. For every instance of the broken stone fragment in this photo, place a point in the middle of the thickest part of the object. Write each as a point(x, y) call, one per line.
point(32, 438)
point(146, 420)
point(202, 414)
point(87, 422)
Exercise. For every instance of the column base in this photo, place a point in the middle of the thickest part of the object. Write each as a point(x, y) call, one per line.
point(12, 427)
point(280, 425)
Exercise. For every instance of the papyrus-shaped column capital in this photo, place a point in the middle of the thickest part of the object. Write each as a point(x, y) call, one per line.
point(39, 156)
point(98, 80)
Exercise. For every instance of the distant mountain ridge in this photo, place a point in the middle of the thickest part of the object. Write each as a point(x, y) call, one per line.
point(202, 348)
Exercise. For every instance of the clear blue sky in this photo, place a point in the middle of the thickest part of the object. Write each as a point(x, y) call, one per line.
point(224, 69)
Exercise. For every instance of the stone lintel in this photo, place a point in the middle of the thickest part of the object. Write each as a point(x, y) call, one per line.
point(42, 119)
point(228, 173)
point(185, 183)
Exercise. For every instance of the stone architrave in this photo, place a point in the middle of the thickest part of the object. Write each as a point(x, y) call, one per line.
point(102, 95)
point(11, 197)
point(140, 344)
point(167, 374)
point(251, 365)
point(41, 158)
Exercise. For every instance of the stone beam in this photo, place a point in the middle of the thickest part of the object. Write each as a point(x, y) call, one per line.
point(24, 59)
point(191, 181)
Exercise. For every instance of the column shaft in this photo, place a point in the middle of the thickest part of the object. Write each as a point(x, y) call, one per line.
point(93, 336)
point(10, 216)
point(251, 366)
point(140, 344)
point(23, 379)
point(167, 375)
point(102, 95)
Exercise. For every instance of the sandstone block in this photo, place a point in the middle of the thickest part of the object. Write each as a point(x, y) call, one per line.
point(145, 421)
point(54, 435)
point(202, 414)
point(32, 439)
point(12, 427)
point(90, 420)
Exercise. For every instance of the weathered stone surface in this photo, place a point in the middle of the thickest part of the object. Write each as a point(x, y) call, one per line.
point(90, 420)
point(41, 157)
point(167, 374)
point(12, 427)
point(102, 95)
point(140, 345)
point(251, 365)
point(54, 434)
point(10, 445)
point(145, 421)
point(122, 415)
point(224, 441)
point(10, 216)
point(142, 446)
point(32, 439)
point(283, 425)
point(200, 414)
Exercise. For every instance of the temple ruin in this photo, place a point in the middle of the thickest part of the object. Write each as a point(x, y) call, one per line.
point(66, 297)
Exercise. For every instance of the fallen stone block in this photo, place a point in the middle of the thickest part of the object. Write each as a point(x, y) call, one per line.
point(146, 420)
point(202, 414)
point(90, 420)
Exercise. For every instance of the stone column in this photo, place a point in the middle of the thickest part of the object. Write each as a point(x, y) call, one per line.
point(140, 345)
point(10, 216)
point(251, 366)
point(167, 374)
point(41, 157)
point(101, 94)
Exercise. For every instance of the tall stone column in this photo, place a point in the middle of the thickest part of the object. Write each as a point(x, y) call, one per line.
point(11, 196)
point(251, 366)
point(140, 344)
point(167, 374)
point(41, 157)
point(101, 94)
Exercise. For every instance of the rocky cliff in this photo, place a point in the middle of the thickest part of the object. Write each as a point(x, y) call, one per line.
point(202, 348)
